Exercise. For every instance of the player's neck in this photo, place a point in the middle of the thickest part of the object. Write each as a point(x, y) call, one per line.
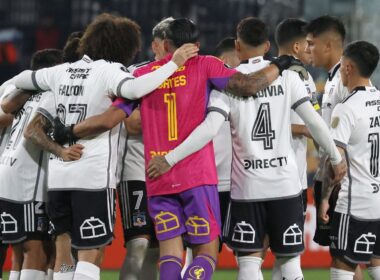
point(334, 59)
point(284, 51)
point(355, 82)
point(245, 55)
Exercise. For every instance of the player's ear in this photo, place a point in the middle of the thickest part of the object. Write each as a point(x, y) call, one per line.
point(296, 47)
point(267, 46)
point(166, 45)
point(237, 45)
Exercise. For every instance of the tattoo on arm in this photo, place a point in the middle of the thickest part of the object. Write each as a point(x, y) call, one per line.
point(247, 84)
point(37, 133)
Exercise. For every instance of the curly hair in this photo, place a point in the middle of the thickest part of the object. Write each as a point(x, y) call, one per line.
point(70, 50)
point(111, 38)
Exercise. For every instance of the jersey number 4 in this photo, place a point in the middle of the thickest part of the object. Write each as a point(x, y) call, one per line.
point(262, 128)
point(373, 138)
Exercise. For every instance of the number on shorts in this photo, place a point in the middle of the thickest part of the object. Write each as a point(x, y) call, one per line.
point(139, 195)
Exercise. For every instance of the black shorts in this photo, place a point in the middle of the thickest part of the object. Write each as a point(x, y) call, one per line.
point(21, 222)
point(134, 210)
point(88, 216)
point(249, 222)
point(357, 241)
point(224, 200)
point(322, 231)
point(304, 201)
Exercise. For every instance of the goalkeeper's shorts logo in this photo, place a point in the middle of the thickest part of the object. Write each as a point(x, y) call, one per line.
point(166, 221)
point(197, 226)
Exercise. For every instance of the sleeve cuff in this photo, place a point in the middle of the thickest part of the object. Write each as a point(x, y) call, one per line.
point(300, 101)
point(46, 114)
point(221, 111)
point(34, 81)
point(340, 144)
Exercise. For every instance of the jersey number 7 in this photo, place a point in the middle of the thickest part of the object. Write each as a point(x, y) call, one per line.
point(262, 128)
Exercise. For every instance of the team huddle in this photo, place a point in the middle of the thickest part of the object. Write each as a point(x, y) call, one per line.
point(199, 150)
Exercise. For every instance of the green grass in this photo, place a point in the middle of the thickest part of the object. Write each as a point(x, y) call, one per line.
point(309, 274)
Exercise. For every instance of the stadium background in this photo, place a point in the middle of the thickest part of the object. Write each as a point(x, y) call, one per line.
point(30, 25)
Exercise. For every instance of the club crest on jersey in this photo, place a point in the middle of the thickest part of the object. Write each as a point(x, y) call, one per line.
point(42, 224)
point(335, 122)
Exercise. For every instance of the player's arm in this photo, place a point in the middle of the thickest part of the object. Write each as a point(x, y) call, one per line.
point(133, 123)
point(321, 134)
point(299, 130)
point(15, 100)
point(94, 125)
point(249, 84)
point(135, 88)
point(5, 119)
point(37, 131)
point(218, 108)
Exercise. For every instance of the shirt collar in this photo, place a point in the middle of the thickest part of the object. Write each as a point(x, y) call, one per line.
point(333, 71)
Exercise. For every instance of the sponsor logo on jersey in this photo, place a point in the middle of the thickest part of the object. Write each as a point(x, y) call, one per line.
point(265, 163)
point(334, 122)
point(78, 73)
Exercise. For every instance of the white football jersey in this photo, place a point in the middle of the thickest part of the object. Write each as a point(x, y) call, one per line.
point(5, 132)
point(81, 90)
point(356, 128)
point(299, 144)
point(223, 156)
point(263, 162)
point(23, 165)
point(334, 93)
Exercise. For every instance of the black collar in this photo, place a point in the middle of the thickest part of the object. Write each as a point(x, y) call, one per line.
point(333, 72)
point(355, 90)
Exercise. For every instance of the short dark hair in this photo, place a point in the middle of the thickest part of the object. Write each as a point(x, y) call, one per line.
point(365, 55)
point(70, 50)
point(326, 23)
point(45, 58)
point(289, 30)
point(181, 31)
point(252, 31)
point(225, 45)
point(160, 29)
point(111, 38)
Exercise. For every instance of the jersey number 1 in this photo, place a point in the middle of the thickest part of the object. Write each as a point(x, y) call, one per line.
point(170, 101)
point(373, 138)
point(262, 128)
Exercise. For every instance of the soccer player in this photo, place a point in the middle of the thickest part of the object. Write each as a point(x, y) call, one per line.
point(325, 37)
point(23, 192)
point(355, 127)
point(290, 38)
point(142, 253)
point(184, 201)
point(81, 89)
point(264, 179)
point(225, 50)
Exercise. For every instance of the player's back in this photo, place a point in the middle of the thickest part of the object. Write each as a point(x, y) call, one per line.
point(81, 90)
point(23, 165)
point(172, 112)
point(264, 165)
point(359, 118)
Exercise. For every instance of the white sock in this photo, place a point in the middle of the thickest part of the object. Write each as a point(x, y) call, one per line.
point(291, 268)
point(150, 270)
point(188, 260)
point(374, 272)
point(249, 268)
point(133, 262)
point(86, 271)
point(340, 274)
point(49, 274)
point(32, 274)
point(14, 275)
point(63, 275)
point(276, 270)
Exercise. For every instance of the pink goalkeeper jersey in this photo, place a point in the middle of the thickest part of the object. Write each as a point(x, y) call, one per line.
point(171, 112)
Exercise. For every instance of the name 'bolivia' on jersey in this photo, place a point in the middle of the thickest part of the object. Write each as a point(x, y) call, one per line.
point(273, 90)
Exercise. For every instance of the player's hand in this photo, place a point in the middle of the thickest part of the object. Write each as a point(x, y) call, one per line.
point(322, 211)
point(183, 53)
point(63, 134)
point(157, 166)
point(338, 171)
point(72, 153)
point(287, 62)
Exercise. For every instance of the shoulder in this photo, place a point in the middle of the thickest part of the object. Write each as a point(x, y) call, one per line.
point(132, 68)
